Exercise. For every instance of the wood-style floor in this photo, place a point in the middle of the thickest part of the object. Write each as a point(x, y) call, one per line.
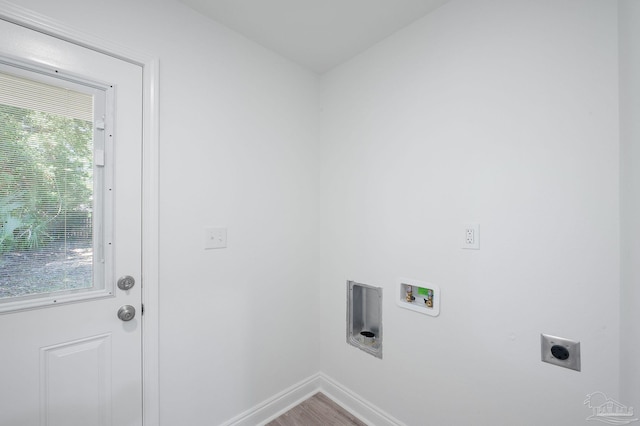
point(317, 411)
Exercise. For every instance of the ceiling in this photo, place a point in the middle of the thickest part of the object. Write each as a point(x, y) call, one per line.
point(317, 34)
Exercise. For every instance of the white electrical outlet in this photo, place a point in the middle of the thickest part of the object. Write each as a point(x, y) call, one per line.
point(471, 237)
point(215, 238)
point(560, 351)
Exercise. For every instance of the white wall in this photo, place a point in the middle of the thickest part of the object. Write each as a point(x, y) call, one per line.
point(629, 19)
point(502, 112)
point(238, 148)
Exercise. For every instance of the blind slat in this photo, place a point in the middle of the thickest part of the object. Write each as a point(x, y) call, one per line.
point(22, 93)
point(46, 187)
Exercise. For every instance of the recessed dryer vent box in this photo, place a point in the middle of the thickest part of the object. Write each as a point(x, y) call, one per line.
point(418, 296)
point(364, 317)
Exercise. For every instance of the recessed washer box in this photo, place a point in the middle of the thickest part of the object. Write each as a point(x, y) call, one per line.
point(364, 317)
point(418, 296)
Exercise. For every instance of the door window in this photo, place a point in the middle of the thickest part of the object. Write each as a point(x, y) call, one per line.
point(53, 184)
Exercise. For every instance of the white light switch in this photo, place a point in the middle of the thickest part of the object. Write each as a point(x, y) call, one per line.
point(215, 238)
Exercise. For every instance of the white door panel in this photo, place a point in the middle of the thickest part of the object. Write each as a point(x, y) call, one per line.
point(78, 363)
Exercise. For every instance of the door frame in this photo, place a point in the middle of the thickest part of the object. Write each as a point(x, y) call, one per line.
point(150, 164)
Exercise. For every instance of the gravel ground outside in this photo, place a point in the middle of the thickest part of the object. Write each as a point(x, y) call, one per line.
point(55, 268)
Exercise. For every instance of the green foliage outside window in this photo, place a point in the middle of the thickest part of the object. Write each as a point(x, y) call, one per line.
point(46, 178)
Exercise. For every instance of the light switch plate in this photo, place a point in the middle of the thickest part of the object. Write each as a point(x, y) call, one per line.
point(215, 238)
point(560, 351)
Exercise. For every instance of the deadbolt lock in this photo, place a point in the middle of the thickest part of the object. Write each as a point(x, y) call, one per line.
point(126, 282)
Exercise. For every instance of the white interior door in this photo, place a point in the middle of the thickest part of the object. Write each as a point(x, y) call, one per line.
point(66, 358)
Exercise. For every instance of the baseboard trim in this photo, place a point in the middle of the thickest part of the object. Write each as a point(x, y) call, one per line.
point(282, 402)
point(278, 404)
point(355, 404)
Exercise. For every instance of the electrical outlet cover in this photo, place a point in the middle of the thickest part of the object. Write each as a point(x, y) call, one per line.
point(471, 236)
point(560, 351)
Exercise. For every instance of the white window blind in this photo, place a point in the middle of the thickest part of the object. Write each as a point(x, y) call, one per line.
point(29, 94)
point(46, 187)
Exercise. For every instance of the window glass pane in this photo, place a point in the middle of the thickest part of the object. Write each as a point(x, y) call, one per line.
point(46, 188)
